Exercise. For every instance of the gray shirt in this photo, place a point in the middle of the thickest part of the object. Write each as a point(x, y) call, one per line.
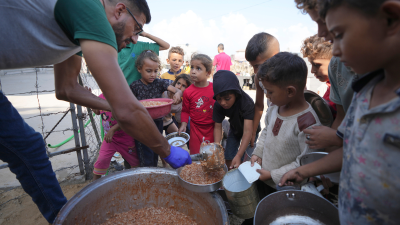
point(341, 79)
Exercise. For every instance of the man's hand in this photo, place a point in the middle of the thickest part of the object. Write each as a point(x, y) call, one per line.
point(264, 174)
point(291, 177)
point(178, 157)
point(320, 137)
point(236, 162)
point(254, 159)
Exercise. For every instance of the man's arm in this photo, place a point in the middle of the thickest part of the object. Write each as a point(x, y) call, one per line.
point(328, 164)
point(129, 112)
point(163, 44)
point(67, 88)
point(258, 109)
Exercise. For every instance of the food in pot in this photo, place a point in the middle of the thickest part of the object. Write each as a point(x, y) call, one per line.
point(151, 215)
point(195, 174)
point(153, 103)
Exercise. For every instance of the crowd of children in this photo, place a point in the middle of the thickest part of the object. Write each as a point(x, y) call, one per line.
point(354, 37)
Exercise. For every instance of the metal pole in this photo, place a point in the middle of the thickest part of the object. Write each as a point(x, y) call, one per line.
point(76, 137)
point(90, 115)
point(83, 141)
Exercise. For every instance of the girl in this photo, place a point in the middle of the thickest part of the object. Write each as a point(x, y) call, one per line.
point(173, 120)
point(198, 103)
point(149, 87)
point(115, 140)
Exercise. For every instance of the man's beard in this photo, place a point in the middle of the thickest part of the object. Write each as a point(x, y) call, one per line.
point(119, 30)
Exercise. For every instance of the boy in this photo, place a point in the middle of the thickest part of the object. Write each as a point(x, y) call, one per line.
point(319, 54)
point(261, 47)
point(340, 77)
point(370, 178)
point(175, 60)
point(127, 56)
point(232, 102)
point(282, 142)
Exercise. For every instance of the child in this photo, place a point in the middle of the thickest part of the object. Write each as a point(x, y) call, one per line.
point(175, 60)
point(148, 87)
point(115, 140)
point(319, 54)
point(261, 47)
point(282, 142)
point(232, 102)
point(370, 178)
point(198, 103)
point(172, 121)
point(340, 77)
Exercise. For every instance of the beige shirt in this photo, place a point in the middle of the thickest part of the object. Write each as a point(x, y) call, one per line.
point(282, 141)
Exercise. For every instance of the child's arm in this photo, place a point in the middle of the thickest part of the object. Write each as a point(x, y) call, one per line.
point(178, 94)
point(163, 44)
point(247, 134)
point(108, 137)
point(185, 112)
point(278, 173)
point(217, 132)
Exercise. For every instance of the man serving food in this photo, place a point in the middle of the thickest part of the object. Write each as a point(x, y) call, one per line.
point(58, 32)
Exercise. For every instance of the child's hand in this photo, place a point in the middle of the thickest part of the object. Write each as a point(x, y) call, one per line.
point(182, 129)
point(265, 174)
point(254, 159)
point(236, 162)
point(108, 137)
point(176, 98)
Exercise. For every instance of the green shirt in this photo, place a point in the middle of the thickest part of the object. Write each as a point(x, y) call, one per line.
point(84, 19)
point(127, 58)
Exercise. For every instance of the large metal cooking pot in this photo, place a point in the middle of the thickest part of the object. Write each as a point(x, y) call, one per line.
point(200, 187)
point(138, 188)
point(295, 207)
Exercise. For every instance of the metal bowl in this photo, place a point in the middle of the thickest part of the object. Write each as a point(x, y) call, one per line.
point(314, 156)
point(139, 188)
point(200, 187)
point(295, 207)
point(177, 140)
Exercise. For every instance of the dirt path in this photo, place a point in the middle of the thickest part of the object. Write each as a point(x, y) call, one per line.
point(23, 210)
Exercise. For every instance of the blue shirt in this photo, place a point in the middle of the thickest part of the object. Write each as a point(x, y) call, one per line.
point(370, 177)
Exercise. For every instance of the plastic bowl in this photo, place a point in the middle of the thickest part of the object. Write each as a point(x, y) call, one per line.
point(157, 112)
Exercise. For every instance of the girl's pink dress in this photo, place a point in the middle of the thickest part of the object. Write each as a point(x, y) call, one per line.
point(121, 142)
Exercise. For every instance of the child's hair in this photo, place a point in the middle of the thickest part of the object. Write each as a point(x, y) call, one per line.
point(204, 59)
point(147, 54)
point(257, 45)
point(305, 5)
point(284, 69)
point(177, 50)
point(228, 92)
point(368, 7)
point(316, 47)
point(182, 76)
point(221, 46)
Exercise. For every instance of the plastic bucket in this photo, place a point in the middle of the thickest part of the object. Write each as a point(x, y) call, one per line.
point(242, 196)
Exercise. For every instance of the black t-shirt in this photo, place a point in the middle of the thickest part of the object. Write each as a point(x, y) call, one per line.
point(150, 91)
point(242, 109)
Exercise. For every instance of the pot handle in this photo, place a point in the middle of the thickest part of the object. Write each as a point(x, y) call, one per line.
point(287, 188)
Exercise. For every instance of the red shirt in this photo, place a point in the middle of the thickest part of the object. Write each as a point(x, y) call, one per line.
point(223, 61)
point(198, 104)
point(332, 105)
